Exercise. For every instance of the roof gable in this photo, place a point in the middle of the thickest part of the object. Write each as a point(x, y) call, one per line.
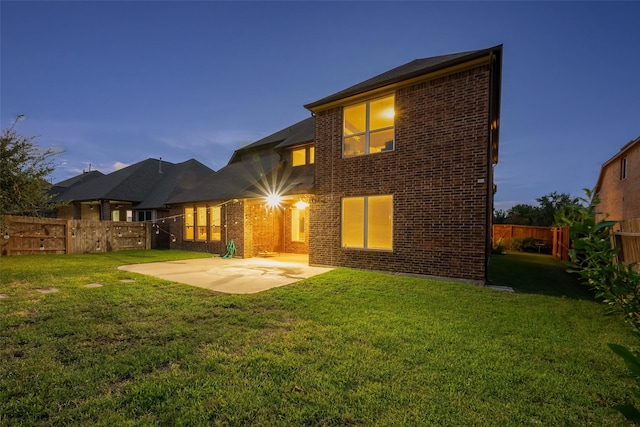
point(415, 68)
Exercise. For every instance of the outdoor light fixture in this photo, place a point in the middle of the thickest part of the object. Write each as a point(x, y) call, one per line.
point(301, 204)
point(273, 200)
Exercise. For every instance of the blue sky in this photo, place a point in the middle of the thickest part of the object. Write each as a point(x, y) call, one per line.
point(114, 83)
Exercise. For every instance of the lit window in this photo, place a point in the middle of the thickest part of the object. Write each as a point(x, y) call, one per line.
point(299, 156)
point(303, 156)
point(623, 168)
point(369, 127)
point(201, 222)
point(129, 215)
point(367, 222)
point(189, 222)
point(297, 225)
point(115, 216)
point(214, 221)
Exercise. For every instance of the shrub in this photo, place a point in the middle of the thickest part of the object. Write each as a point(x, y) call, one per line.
point(525, 244)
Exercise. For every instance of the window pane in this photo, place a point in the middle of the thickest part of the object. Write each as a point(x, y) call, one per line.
point(381, 141)
point(297, 225)
point(312, 155)
point(188, 223)
point(214, 220)
point(299, 156)
point(355, 119)
point(201, 219)
point(379, 222)
point(354, 145)
point(353, 222)
point(381, 113)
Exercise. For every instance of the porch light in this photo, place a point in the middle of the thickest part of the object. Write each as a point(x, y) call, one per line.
point(273, 200)
point(301, 204)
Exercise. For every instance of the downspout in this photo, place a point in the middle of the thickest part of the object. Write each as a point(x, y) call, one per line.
point(495, 70)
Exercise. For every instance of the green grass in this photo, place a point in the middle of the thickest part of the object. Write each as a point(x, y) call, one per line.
point(343, 348)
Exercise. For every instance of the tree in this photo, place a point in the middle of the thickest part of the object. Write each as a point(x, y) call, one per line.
point(552, 208)
point(23, 171)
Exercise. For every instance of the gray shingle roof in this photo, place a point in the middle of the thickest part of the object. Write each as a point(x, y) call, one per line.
point(147, 184)
point(407, 71)
point(257, 168)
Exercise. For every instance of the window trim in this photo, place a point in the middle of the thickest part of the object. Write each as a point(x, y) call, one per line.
point(367, 132)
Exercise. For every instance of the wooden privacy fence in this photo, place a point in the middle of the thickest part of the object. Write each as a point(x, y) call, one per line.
point(628, 240)
point(28, 236)
point(552, 239)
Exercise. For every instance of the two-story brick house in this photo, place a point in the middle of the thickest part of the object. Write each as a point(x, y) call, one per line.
point(404, 168)
point(618, 185)
point(392, 174)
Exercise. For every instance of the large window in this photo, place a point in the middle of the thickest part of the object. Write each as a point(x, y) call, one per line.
point(369, 127)
point(202, 223)
point(297, 225)
point(367, 222)
point(189, 223)
point(214, 222)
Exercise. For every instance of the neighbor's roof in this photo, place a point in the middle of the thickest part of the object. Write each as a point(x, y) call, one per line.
point(148, 183)
point(415, 68)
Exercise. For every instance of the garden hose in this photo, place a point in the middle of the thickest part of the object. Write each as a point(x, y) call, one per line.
point(231, 250)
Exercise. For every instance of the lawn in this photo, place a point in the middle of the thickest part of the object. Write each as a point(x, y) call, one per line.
point(343, 348)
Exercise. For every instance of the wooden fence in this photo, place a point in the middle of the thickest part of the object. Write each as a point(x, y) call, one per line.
point(553, 240)
point(628, 240)
point(28, 236)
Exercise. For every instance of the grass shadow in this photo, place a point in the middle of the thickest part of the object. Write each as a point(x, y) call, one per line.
point(536, 274)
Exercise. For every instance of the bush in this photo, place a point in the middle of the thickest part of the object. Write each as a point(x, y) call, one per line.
point(525, 244)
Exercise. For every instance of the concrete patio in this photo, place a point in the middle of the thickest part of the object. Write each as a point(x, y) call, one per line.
point(232, 276)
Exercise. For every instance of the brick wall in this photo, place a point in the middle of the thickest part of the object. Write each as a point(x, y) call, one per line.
point(437, 175)
point(620, 198)
point(235, 218)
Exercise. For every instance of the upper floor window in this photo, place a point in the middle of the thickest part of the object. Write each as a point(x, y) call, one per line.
point(369, 127)
point(303, 156)
point(623, 168)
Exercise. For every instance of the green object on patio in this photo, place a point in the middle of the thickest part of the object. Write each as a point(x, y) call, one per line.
point(231, 250)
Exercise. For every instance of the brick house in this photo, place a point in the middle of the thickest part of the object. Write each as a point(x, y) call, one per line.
point(136, 193)
point(392, 174)
point(618, 184)
point(260, 199)
point(404, 168)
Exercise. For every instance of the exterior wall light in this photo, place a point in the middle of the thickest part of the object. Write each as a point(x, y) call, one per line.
point(273, 200)
point(301, 204)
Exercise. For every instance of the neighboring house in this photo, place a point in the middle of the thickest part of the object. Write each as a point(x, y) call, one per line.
point(259, 199)
point(136, 193)
point(392, 174)
point(404, 168)
point(618, 185)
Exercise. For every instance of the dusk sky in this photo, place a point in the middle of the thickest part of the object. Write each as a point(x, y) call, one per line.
point(114, 83)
